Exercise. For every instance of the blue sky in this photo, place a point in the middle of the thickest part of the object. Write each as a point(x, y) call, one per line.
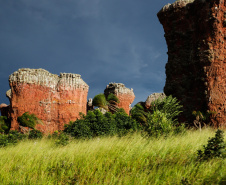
point(103, 40)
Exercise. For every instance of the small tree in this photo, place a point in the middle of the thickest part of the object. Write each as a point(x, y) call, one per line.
point(214, 148)
point(100, 101)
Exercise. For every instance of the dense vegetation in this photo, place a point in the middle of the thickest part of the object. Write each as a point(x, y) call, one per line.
point(160, 119)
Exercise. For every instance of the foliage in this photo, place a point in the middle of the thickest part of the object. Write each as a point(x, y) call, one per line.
point(97, 124)
point(160, 118)
point(11, 138)
point(35, 134)
point(169, 106)
point(62, 140)
point(3, 140)
point(214, 148)
point(109, 103)
point(125, 123)
point(138, 113)
point(28, 120)
point(4, 124)
point(159, 124)
point(112, 98)
point(201, 118)
point(100, 101)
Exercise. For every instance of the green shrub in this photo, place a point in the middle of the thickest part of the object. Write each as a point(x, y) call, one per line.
point(169, 106)
point(112, 98)
point(160, 118)
point(125, 123)
point(214, 148)
point(4, 124)
point(159, 124)
point(14, 136)
point(62, 140)
point(35, 134)
point(97, 124)
point(11, 138)
point(139, 113)
point(3, 140)
point(100, 101)
point(28, 120)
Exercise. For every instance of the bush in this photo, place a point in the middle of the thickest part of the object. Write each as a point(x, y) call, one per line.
point(55, 135)
point(4, 124)
point(125, 123)
point(112, 98)
point(35, 134)
point(14, 136)
point(11, 138)
point(62, 140)
point(214, 148)
point(100, 101)
point(139, 113)
point(160, 118)
point(3, 140)
point(97, 124)
point(28, 120)
point(169, 106)
point(159, 124)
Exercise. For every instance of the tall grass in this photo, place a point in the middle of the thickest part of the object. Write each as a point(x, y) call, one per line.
point(132, 159)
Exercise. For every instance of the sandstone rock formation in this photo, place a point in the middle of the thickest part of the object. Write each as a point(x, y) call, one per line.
point(153, 97)
point(54, 99)
point(124, 94)
point(195, 32)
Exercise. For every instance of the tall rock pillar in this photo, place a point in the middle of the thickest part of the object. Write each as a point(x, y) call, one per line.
point(195, 32)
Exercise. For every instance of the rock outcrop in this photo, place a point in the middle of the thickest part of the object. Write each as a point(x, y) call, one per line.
point(195, 32)
point(54, 99)
point(152, 97)
point(124, 94)
point(4, 109)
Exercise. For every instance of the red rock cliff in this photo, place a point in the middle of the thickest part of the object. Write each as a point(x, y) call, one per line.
point(125, 95)
point(195, 32)
point(54, 99)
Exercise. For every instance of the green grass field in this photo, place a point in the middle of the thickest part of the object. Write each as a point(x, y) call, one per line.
point(132, 159)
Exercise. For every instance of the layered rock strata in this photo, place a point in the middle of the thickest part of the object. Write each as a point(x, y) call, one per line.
point(195, 32)
point(125, 95)
point(54, 99)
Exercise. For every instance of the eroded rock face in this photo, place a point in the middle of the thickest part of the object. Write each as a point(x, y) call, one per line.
point(195, 32)
point(124, 94)
point(54, 99)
